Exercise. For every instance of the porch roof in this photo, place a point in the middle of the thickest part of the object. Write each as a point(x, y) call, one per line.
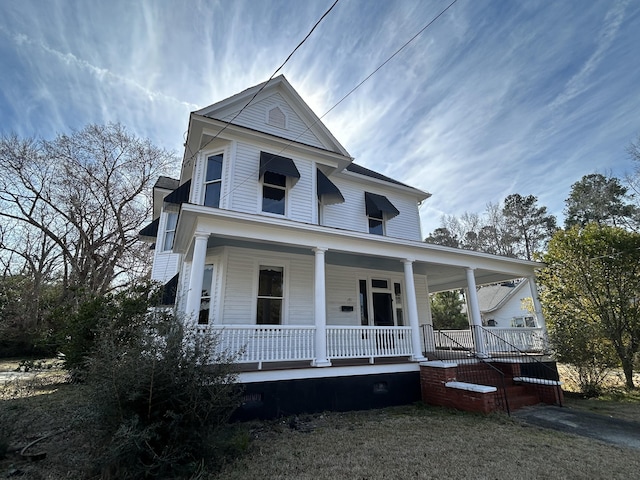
point(445, 267)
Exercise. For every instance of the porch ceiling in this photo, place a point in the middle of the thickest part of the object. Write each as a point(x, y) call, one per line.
point(439, 277)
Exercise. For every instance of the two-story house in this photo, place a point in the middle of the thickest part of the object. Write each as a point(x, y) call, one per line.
point(307, 263)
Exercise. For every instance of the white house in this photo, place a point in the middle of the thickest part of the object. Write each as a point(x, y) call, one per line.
point(308, 263)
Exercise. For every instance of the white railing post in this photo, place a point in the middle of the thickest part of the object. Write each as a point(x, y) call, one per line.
point(476, 319)
point(320, 308)
point(412, 307)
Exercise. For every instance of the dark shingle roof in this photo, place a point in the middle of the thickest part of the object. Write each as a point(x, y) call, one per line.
point(352, 167)
point(167, 183)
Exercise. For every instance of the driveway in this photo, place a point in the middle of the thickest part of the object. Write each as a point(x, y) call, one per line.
point(586, 424)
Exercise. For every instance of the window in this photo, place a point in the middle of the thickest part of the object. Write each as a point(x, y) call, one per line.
point(376, 225)
point(364, 306)
point(205, 298)
point(274, 193)
point(526, 321)
point(397, 291)
point(213, 181)
point(270, 295)
point(170, 231)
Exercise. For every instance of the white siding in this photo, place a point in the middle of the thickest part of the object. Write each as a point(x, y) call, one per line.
point(407, 224)
point(238, 288)
point(165, 266)
point(244, 188)
point(342, 289)
point(351, 214)
point(255, 117)
point(301, 201)
point(240, 282)
point(300, 302)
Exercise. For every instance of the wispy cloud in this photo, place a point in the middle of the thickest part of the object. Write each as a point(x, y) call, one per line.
point(494, 98)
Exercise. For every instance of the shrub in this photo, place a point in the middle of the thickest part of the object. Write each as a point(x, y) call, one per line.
point(162, 394)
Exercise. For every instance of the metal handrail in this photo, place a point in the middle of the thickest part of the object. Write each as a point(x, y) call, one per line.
point(523, 355)
point(469, 374)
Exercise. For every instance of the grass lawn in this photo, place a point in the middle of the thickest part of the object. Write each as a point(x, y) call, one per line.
point(413, 442)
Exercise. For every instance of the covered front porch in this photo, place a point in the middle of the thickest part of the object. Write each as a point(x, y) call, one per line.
point(342, 297)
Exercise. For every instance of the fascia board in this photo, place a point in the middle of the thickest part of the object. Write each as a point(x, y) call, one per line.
point(257, 227)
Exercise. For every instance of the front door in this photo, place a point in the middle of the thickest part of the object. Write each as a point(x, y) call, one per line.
point(382, 309)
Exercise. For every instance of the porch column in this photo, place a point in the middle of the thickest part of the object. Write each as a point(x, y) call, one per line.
point(476, 319)
point(194, 294)
point(412, 310)
point(537, 306)
point(320, 308)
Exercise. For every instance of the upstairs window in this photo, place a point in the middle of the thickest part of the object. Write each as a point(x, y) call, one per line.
point(274, 193)
point(170, 231)
point(213, 181)
point(277, 174)
point(379, 209)
point(270, 295)
point(376, 225)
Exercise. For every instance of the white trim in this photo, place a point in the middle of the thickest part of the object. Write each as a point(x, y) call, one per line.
point(538, 381)
point(471, 387)
point(438, 364)
point(331, 372)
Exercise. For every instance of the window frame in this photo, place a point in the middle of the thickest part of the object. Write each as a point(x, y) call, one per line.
point(382, 225)
point(265, 184)
point(207, 298)
point(168, 231)
point(271, 263)
point(218, 181)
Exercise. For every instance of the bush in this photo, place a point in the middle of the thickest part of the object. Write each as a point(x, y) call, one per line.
point(162, 394)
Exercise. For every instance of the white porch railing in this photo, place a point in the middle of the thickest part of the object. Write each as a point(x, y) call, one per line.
point(523, 338)
point(368, 342)
point(275, 343)
point(266, 343)
point(496, 339)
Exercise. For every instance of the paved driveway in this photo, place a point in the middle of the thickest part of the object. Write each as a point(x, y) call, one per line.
point(586, 424)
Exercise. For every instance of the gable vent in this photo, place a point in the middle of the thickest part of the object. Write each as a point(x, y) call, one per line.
point(277, 118)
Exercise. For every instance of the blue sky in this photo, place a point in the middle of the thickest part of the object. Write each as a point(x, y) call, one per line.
point(496, 97)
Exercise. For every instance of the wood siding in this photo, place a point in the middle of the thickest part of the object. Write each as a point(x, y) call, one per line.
point(351, 215)
point(255, 117)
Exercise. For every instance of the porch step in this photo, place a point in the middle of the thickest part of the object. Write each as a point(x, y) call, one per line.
point(518, 396)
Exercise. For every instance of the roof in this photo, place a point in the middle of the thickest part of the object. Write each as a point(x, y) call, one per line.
point(492, 297)
point(360, 170)
point(167, 183)
point(230, 105)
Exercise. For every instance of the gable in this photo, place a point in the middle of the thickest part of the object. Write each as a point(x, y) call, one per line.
point(278, 110)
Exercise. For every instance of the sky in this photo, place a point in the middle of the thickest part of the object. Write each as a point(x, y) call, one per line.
point(495, 97)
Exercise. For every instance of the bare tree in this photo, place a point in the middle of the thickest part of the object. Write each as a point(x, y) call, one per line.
point(83, 197)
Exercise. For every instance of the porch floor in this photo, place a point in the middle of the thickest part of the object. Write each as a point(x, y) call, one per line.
point(340, 362)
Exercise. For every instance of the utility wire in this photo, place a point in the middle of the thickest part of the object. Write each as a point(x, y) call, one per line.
point(345, 96)
point(267, 82)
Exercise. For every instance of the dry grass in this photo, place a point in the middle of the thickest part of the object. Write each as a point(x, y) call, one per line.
point(396, 443)
point(424, 443)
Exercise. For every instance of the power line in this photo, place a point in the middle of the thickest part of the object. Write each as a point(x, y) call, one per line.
point(267, 82)
point(343, 98)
